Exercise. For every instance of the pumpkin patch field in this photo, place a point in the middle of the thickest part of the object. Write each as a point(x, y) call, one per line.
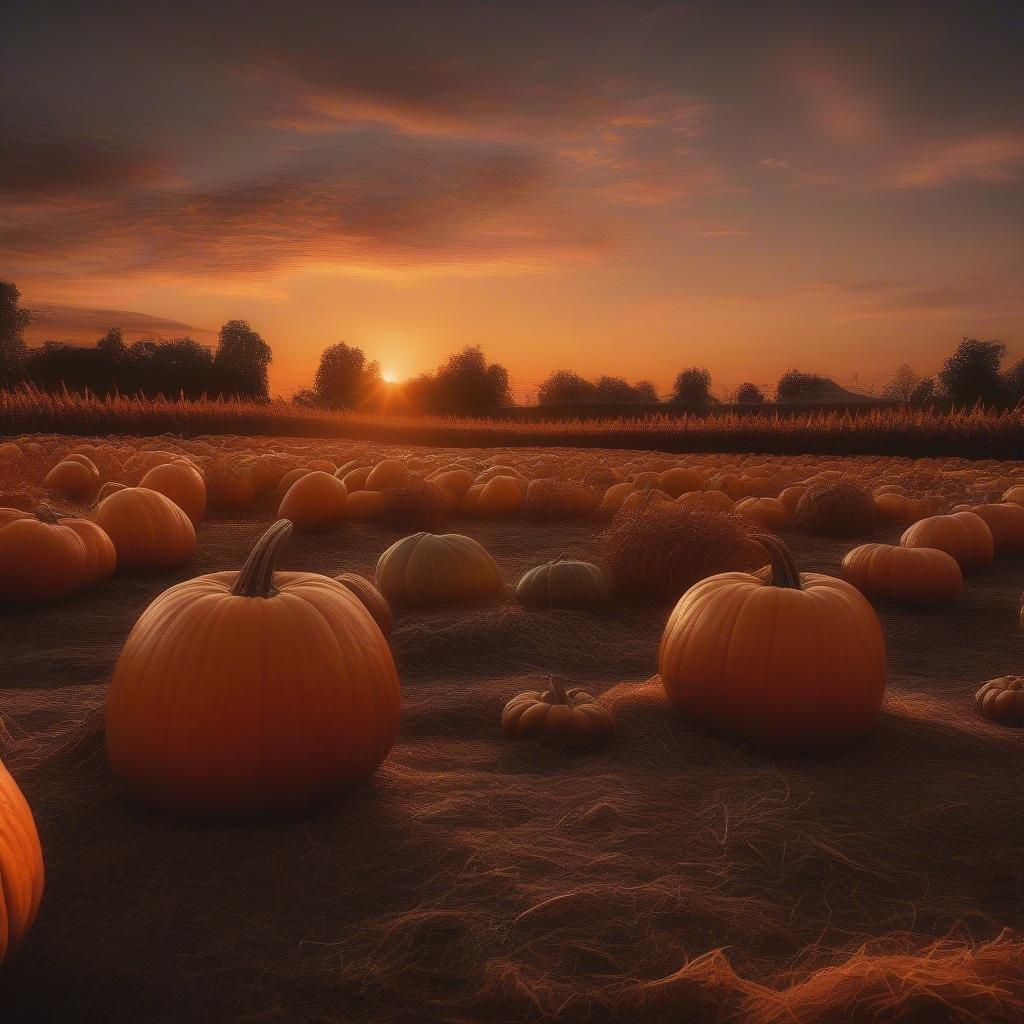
point(302, 730)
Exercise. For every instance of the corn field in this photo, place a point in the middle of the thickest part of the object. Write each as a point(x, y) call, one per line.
point(972, 433)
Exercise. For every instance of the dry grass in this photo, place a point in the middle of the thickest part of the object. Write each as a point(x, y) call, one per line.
point(976, 433)
point(551, 500)
point(658, 550)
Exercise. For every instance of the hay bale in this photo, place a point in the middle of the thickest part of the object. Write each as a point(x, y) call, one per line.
point(657, 551)
point(419, 505)
point(835, 508)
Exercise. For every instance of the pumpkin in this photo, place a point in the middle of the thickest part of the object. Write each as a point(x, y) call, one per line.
point(72, 480)
point(1002, 700)
point(680, 480)
point(897, 508)
point(500, 496)
point(797, 662)
point(425, 568)
point(109, 488)
point(21, 867)
point(963, 535)
point(355, 479)
point(183, 484)
point(370, 597)
point(567, 718)
point(640, 499)
point(615, 496)
point(10, 452)
point(290, 477)
point(364, 506)
point(314, 502)
point(717, 501)
point(916, 576)
point(1015, 494)
point(47, 557)
point(768, 512)
point(148, 530)
point(322, 466)
point(1006, 521)
point(249, 692)
point(458, 481)
point(564, 583)
point(385, 475)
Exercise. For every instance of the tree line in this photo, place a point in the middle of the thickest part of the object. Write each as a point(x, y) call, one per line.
point(465, 384)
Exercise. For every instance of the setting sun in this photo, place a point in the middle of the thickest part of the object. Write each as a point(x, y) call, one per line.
point(388, 377)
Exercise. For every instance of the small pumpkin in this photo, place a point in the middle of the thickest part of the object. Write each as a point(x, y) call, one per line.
point(675, 482)
point(564, 583)
point(370, 597)
point(964, 535)
point(427, 568)
point(73, 480)
point(795, 662)
point(1002, 700)
point(249, 692)
point(290, 477)
point(385, 475)
point(769, 512)
point(148, 530)
point(322, 466)
point(21, 867)
point(915, 576)
point(314, 502)
point(183, 484)
point(568, 718)
point(47, 556)
point(364, 506)
point(499, 497)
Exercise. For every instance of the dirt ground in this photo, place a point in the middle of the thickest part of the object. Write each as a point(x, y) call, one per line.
point(672, 877)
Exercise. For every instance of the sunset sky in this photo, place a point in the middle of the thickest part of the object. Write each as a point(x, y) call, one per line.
point(622, 188)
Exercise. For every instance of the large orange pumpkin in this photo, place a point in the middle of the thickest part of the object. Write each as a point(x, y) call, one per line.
point(963, 535)
point(798, 662)
point(21, 867)
point(46, 556)
point(148, 530)
point(314, 502)
point(183, 484)
point(248, 692)
point(370, 597)
point(917, 576)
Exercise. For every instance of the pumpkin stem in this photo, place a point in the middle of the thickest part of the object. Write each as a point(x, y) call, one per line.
point(47, 514)
point(784, 568)
point(557, 690)
point(257, 576)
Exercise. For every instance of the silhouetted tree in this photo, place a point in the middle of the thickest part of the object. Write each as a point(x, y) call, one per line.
point(971, 374)
point(749, 394)
point(183, 367)
point(13, 321)
point(465, 384)
point(924, 392)
point(1013, 383)
point(112, 354)
point(645, 391)
point(796, 386)
point(344, 378)
point(904, 384)
point(242, 360)
point(693, 386)
point(565, 387)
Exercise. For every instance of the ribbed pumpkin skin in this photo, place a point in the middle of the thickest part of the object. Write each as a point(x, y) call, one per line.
point(916, 576)
point(43, 561)
point(963, 535)
point(314, 502)
point(148, 530)
point(181, 483)
point(231, 705)
point(371, 599)
point(434, 569)
point(21, 867)
point(563, 583)
point(776, 667)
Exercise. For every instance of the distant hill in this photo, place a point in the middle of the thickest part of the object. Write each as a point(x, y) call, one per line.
point(84, 324)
